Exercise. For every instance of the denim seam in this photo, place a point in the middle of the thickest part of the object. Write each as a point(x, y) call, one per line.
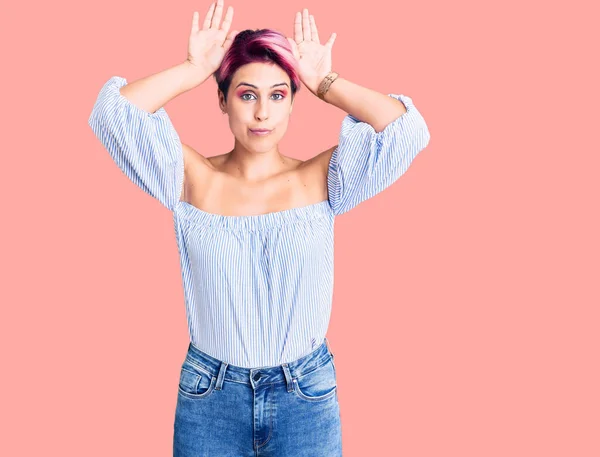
point(211, 389)
point(309, 372)
point(198, 378)
point(305, 397)
point(299, 392)
point(208, 372)
point(271, 423)
point(199, 366)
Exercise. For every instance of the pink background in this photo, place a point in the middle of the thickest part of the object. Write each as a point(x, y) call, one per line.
point(466, 305)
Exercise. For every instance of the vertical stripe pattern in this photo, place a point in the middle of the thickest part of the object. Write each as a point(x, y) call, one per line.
point(367, 162)
point(144, 145)
point(258, 289)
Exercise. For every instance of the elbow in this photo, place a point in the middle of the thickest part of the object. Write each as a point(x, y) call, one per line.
point(100, 111)
point(108, 103)
point(95, 115)
point(423, 135)
point(419, 132)
point(94, 121)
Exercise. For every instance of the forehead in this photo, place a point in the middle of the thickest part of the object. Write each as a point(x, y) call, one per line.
point(263, 75)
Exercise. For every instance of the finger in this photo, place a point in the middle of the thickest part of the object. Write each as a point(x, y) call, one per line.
point(331, 40)
point(298, 36)
point(306, 25)
point(294, 48)
point(216, 20)
point(313, 29)
point(208, 17)
point(195, 22)
point(228, 42)
point(227, 21)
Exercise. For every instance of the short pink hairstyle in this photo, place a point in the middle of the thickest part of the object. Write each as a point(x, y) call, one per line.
point(260, 45)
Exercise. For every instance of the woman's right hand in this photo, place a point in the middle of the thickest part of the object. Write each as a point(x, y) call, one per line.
point(208, 45)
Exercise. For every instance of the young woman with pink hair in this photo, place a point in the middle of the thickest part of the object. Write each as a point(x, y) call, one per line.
point(254, 227)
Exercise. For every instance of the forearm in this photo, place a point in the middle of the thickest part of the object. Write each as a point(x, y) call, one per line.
point(154, 91)
point(365, 104)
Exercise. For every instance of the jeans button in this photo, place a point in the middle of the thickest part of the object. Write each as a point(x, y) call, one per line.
point(257, 376)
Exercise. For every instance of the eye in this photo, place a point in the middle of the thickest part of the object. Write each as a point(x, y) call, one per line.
point(252, 95)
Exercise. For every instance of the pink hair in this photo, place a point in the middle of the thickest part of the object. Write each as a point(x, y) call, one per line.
point(261, 45)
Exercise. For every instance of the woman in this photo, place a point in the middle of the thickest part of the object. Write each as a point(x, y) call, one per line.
point(255, 228)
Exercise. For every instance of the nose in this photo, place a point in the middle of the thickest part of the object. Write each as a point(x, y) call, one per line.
point(262, 110)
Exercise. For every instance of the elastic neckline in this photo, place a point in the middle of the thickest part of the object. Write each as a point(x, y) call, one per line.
point(256, 221)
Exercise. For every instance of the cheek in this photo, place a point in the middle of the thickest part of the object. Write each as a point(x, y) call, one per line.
point(239, 127)
point(283, 123)
point(235, 127)
point(236, 121)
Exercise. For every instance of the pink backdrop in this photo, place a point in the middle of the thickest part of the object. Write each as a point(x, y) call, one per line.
point(471, 285)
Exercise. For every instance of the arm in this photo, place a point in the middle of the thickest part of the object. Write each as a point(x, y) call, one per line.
point(366, 161)
point(132, 124)
point(152, 92)
point(369, 106)
point(379, 137)
point(138, 133)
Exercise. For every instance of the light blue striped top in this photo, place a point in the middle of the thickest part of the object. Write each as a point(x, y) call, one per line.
point(258, 289)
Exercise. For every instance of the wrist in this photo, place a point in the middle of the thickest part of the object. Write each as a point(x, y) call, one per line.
point(325, 83)
point(314, 83)
point(194, 74)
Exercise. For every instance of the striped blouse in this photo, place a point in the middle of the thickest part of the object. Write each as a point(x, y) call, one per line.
point(258, 289)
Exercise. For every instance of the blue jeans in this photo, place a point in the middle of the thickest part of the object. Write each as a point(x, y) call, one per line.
point(285, 410)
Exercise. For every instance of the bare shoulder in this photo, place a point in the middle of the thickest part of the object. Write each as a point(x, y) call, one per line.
point(194, 164)
point(314, 171)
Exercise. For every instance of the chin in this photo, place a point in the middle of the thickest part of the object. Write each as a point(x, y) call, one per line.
point(258, 147)
point(263, 150)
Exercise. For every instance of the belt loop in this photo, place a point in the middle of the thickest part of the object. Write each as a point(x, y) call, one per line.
point(288, 377)
point(221, 376)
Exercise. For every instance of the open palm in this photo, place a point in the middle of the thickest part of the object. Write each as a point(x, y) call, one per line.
point(314, 58)
point(207, 45)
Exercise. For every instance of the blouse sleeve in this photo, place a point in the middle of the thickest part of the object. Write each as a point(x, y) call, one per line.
point(144, 145)
point(365, 162)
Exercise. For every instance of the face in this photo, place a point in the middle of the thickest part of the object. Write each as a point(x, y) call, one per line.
point(259, 97)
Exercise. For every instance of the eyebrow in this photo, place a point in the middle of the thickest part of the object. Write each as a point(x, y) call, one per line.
point(256, 87)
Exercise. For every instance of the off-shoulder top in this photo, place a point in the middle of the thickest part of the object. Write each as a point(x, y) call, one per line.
point(258, 289)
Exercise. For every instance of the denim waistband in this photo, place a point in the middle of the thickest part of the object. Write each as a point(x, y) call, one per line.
point(260, 375)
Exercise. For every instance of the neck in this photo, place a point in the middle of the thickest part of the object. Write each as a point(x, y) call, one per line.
point(251, 165)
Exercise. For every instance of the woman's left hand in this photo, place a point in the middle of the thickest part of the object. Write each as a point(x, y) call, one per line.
point(314, 58)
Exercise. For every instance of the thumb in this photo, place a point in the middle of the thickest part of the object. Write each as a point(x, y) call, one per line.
point(229, 41)
point(294, 48)
point(331, 40)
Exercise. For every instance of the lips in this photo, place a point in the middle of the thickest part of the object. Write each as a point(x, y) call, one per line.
point(260, 132)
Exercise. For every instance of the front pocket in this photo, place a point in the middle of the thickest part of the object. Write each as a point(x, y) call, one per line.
point(317, 385)
point(194, 383)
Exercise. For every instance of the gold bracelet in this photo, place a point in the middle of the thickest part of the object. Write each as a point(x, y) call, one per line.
point(326, 83)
